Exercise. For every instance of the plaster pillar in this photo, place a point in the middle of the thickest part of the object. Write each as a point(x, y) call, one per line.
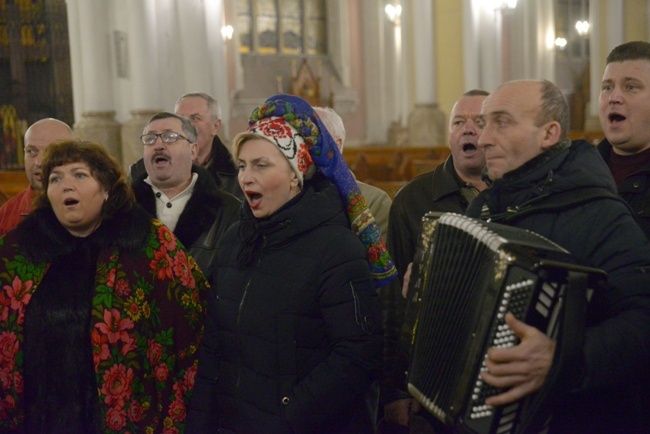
point(426, 122)
point(193, 37)
point(397, 131)
point(145, 92)
point(100, 127)
point(532, 41)
point(376, 88)
point(92, 70)
point(610, 16)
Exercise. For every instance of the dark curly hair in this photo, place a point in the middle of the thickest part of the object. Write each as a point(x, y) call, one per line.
point(103, 167)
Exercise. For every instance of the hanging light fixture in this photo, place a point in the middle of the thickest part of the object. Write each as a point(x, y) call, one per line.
point(393, 13)
point(582, 27)
point(227, 32)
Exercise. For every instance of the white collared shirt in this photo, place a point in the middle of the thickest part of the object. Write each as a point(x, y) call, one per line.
point(169, 210)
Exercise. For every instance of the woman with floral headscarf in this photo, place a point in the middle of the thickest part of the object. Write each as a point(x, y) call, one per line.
point(292, 341)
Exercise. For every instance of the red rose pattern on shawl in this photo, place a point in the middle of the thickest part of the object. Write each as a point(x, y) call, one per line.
point(146, 330)
point(304, 159)
point(277, 128)
point(19, 296)
point(279, 131)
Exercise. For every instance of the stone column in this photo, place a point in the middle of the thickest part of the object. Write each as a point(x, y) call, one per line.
point(613, 24)
point(92, 70)
point(375, 100)
point(143, 60)
point(130, 133)
point(100, 127)
point(426, 123)
point(484, 63)
point(192, 35)
point(531, 32)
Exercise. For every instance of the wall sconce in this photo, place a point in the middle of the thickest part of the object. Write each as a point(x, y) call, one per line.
point(393, 13)
point(582, 27)
point(226, 32)
point(560, 43)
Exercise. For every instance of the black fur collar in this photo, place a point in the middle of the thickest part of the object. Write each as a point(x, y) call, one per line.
point(42, 238)
point(199, 213)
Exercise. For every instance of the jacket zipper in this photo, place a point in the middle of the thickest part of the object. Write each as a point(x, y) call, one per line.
point(239, 312)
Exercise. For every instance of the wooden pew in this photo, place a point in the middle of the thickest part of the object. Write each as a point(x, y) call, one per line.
point(390, 187)
point(11, 183)
point(391, 163)
point(591, 136)
point(373, 166)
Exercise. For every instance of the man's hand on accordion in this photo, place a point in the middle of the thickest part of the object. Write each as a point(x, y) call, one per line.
point(521, 369)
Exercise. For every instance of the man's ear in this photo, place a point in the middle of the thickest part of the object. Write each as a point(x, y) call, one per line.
point(194, 151)
point(216, 126)
point(339, 143)
point(552, 133)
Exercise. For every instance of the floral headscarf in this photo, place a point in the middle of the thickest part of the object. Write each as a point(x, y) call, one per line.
point(310, 147)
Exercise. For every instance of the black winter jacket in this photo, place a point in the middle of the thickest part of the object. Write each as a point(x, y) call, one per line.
point(206, 217)
point(609, 392)
point(292, 341)
point(438, 190)
point(223, 169)
point(635, 189)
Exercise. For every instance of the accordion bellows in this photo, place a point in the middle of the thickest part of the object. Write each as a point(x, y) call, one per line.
point(467, 275)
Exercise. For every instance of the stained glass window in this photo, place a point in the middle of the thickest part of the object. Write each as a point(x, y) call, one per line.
point(291, 26)
point(282, 26)
point(244, 26)
point(266, 19)
point(315, 27)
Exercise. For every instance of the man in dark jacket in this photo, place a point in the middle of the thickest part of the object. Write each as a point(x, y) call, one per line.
point(182, 195)
point(624, 111)
point(531, 166)
point(448, 188)
point(205, 114)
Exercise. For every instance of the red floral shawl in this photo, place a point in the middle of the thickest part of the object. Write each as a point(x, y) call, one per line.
point(146, 324)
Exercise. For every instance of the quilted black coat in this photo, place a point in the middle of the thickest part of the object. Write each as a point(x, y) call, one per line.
point(293, 341)
point(608, 392)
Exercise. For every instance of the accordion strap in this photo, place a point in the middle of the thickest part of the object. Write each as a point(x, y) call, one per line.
point(556, 202)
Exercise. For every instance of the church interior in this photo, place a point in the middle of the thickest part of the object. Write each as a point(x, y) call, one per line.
point(391, 68)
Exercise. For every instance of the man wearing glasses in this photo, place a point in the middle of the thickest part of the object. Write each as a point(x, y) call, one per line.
point(205, 114)
point(183, 196)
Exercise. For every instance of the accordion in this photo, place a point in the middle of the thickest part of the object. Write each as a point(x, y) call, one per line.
point(467, 274)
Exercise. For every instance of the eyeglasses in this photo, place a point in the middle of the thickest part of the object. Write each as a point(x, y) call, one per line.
point(168, 137)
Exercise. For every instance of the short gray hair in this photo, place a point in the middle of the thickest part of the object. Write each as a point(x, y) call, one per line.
point(332, 122)
point(554, 107)
point(213, 104)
